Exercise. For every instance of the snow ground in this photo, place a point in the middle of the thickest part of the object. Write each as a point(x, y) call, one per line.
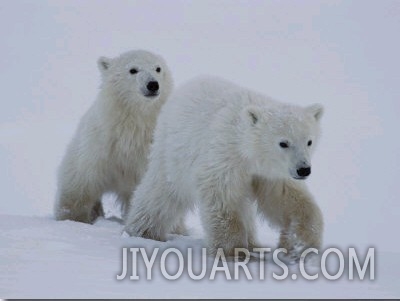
point(343, 54)
point(42, 258)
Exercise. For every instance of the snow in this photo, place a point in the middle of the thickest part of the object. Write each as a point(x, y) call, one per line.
point(42, 258)
point(343, 54)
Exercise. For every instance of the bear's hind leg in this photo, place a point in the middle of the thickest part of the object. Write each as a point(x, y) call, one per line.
point(155, 209)
point(180, 227)
point(97, 210)
point(124, 199)
point(80, 207)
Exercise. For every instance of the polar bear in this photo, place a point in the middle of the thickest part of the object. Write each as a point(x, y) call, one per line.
point(227, 148)
point(110, 148)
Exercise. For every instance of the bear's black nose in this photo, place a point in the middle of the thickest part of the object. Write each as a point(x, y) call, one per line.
point(153, 86)
point(304, 171)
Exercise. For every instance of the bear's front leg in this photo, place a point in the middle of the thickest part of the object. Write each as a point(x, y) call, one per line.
point(289, 205)
point(225, 230)
point(223, 213)
point(303, 222)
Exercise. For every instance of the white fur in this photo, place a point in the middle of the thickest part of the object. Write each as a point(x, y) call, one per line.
point(110, 148)
point(217, 144)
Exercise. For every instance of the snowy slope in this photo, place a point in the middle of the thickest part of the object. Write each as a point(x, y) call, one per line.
point(42, 258)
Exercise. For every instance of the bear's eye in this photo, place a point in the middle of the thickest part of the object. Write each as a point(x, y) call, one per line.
point(284, 144)
point(133, 71)
point(309, 142)
point(158, 69)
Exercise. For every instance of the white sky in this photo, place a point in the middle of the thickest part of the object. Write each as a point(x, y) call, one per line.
point(343, 54)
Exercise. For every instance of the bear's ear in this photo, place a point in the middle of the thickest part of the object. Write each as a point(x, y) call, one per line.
point(252, 114)
point(317, 110)
point(103, 63)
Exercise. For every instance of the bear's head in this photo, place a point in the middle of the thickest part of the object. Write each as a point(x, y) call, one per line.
point(137, 76)
point(280, 139)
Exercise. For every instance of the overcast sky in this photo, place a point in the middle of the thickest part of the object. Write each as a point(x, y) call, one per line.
point(343, 54)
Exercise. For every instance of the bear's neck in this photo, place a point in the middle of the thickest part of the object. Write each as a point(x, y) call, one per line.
point(117, 109)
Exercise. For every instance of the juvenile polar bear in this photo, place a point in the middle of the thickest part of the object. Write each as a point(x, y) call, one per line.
point(226, 147)
point(110, 148)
